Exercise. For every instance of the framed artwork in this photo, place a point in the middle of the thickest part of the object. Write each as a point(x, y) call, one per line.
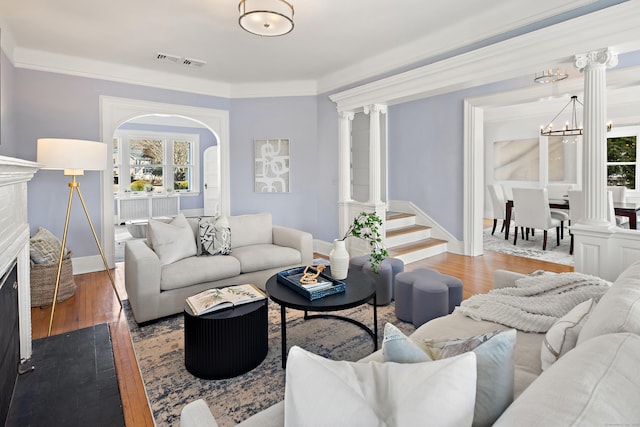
point(556, 159)
point(516, 160)
point(271, 165)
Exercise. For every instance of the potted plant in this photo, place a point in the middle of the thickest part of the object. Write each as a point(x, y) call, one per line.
point(365, 226)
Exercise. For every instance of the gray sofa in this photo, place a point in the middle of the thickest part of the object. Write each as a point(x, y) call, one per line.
point(596, 383)
point(259, 249)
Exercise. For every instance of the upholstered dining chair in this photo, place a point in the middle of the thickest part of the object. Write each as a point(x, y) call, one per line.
point(499, 206)
point(532, 205)
point(576, 211)
point(619, 193)
point(618, 221)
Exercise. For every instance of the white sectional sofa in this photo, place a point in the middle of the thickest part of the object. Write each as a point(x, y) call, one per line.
point(595, 383)
point(259, 249)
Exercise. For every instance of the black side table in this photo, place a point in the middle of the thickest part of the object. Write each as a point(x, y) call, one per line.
point(226, 343)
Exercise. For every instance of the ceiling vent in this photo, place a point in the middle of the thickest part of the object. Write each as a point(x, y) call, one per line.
point(190, 62)
point(163, 57)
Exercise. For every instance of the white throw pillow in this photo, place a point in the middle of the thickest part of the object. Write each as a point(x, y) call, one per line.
point(214, 235)
point(322, 392)
point(172, 241)
point(495, 370)
point(619, 308)
point(563, 335)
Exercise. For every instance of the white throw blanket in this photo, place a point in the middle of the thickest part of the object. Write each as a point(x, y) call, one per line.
point(536, 302)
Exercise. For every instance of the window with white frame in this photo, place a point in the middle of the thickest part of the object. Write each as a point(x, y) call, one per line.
point(157, 162)
point(622, 154)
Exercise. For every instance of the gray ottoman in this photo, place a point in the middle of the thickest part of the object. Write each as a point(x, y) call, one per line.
point(385, 279)
point(424, 294)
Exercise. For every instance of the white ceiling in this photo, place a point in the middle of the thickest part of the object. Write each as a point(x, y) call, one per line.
point(334, 42)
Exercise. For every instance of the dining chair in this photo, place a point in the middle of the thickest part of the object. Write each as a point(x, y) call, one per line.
point(619, 193)
point(499, 206)
point(576, 211)
point(507, 192)
point(618, 221)
point(534, 213)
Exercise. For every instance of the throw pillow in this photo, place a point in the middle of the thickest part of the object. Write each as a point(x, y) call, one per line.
point(44, 247)
point(322, 392)
point(397, 347)
point(215, 236)
point(563, 335)
point(619, 308)
point(172, 241)
point(495, 370)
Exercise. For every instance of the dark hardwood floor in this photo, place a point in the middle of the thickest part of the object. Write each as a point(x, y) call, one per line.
point(95, 303)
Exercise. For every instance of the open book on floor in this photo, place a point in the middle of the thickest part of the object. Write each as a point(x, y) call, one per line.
point(221, 298)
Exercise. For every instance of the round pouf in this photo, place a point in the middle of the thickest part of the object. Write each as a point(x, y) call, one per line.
point(385, 278)
point(424, 294)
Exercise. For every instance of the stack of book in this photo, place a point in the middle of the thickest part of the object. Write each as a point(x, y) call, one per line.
point(325, 285)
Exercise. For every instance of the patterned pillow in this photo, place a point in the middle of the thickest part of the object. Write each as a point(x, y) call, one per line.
point(44, 247)
point(215, 236)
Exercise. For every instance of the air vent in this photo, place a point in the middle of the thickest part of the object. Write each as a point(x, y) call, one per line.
point(190, 62)
point(167, 58)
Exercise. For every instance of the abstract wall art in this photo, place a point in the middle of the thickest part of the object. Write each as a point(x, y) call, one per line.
point(271, 165)
point(516, 160)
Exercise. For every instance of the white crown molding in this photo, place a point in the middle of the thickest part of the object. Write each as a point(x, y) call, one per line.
point(615, 27)
point(275, 89)
point(430, 46)
point(64, 64)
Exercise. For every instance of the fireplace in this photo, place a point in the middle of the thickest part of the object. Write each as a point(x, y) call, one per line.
point(14, 259)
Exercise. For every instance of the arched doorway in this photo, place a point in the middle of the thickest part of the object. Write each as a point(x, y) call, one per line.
point(116, 111)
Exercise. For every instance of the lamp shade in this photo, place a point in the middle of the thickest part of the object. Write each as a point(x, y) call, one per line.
point(74, 156)
point(268, 18)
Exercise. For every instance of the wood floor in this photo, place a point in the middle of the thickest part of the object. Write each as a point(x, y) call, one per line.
point(95, 303)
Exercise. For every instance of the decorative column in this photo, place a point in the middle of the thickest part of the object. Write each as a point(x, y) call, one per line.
point(594, 159)
point(374, 150)
point(344, 157)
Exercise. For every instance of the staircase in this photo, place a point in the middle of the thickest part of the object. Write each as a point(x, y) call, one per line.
point(409, 241)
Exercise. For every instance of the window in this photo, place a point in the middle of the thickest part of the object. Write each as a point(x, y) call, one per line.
point(621, 158)
point(157, 162)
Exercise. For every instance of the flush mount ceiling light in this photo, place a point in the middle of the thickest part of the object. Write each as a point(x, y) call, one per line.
point(268, 18)
point(570, 128)
point(550, 76)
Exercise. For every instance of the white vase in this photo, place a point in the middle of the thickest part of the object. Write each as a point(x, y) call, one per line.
point(339, 260)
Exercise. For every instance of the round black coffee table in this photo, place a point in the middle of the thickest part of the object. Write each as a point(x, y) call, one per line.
point(226, 343)
point(360, 289)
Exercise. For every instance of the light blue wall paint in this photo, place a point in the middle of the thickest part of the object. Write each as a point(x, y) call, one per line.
point(59, 106)
point(7, 108)
point(207, 139)
point(288, 117)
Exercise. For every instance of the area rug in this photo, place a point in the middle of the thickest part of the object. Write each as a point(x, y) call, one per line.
point(159, 349)
point(531, 248)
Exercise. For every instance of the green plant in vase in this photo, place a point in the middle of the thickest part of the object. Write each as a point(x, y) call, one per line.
point(366, 226)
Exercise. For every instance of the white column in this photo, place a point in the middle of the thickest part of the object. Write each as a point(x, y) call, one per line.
point(594, 160)
point(374, 150)
point(344, 157)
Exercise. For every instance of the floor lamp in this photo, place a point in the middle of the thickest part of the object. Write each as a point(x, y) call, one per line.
point(73, 156)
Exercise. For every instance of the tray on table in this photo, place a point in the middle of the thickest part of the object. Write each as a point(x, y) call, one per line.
point(288, 278)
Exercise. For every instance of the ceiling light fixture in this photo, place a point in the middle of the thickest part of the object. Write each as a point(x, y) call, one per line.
point(268, 18)
point(550, 77)
point(570, 128)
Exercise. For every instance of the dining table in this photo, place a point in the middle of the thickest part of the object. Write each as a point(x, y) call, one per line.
point(628, 209)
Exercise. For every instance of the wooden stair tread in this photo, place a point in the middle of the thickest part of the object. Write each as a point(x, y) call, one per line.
point(397, 215)
point(406, 230)
point(416, 246)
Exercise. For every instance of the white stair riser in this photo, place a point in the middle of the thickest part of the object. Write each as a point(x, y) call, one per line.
point(406, 238)
point(393, 224)
point(423, 253)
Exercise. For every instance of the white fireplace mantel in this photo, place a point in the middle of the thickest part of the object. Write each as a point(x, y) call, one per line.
point(14, 236)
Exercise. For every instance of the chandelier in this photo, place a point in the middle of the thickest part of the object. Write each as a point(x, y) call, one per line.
point(268, 18)
point(550, 77)
point(570, 128)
